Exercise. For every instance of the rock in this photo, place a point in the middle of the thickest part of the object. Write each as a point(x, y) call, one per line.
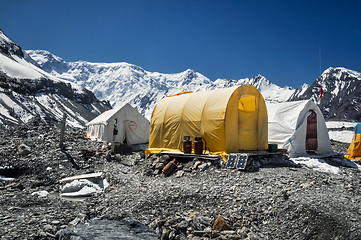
point(196, 164)
point(158, 165)
point(107, 229)
point(172, 235)
point(55, 222)
point(220, 224)
point(199, 233)
point(253, 236)
point(148, 172)
point(179, 173)
point(165, 234)
point(182, 225)
point(23, 149)
point(203, 166)
point(47, 227)
point(164, 159)
point(203, 221)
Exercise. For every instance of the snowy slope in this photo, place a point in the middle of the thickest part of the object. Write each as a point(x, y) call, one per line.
point(270, 91)
point(28, 92)
point(122, 82)
point(341, 94)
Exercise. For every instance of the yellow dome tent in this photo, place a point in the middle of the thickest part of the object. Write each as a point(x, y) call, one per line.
point(354, 150)
point(230, 120)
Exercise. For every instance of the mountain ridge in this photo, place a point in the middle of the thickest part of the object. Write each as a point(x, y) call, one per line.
point(28, 92)
point(142, 88)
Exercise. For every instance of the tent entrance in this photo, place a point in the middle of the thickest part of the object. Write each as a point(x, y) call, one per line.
point(311, 133)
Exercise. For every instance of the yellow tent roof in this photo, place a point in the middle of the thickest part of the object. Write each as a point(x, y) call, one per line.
point(230, 120)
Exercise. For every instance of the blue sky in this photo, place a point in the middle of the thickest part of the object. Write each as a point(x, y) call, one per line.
point(281, 40)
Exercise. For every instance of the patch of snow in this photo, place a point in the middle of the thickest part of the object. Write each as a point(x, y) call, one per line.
point(4, 111)
point(341, 136)
point(336, 124)
point(6, 179)
point(83, 187)
point(317, 165)
point(41, 193)
point(17, 70)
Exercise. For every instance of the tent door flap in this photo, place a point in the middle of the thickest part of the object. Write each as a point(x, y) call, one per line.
point(311, 133)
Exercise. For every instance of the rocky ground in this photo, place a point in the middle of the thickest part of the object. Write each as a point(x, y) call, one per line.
point(272, 202)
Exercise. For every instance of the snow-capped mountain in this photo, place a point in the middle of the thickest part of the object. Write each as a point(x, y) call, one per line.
point(28, 92)
point(337, 92)
point(122, 82)
point(270, 91)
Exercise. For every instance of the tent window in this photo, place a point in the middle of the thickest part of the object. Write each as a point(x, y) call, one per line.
point(247, 103)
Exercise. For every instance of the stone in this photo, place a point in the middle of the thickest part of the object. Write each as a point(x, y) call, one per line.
point(182, 225)
point(204, 221)
point(165, 233)
point(196, 164)
point(220, 224)
point(228, 232)
point(179, 174)
point(203, 167)
point(252, 236)
point(158, 165)
point(199, 233)
point(164, 159)
point(47, 227)
point(55, 222)
point(148, 172)
point(107, 229)
point(23, 149)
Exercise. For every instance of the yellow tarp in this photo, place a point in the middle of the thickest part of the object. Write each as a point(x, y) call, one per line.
point(230, 120)
point(354, 150)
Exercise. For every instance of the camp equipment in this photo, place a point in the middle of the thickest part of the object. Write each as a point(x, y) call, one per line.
point(354, 150)
point(187, 144)
point(198, 145)
point(272, 147)
point(230, 120)
point(130, 128)
point(170, 167)
point(298, 127)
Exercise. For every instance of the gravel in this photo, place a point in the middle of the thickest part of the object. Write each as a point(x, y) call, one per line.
point(272, 202)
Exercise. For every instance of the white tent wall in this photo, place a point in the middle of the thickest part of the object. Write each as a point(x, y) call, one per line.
point(131, 126)
point(136, 129)
point(287, 126)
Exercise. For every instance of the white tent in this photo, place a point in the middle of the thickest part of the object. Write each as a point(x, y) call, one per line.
point(131, 126)
point(298, 127)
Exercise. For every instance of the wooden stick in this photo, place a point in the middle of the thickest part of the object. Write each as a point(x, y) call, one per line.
point(62, 131)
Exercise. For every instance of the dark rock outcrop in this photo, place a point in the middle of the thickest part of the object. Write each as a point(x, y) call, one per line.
point(341, 94)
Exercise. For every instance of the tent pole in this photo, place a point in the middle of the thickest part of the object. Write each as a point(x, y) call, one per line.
point(115, 132)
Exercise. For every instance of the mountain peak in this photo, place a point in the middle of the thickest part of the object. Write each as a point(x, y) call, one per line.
point(339, 73)
point(190, 73)
point(28, 92)
point(340, 97)
point(8, 47)
point(43, 56)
